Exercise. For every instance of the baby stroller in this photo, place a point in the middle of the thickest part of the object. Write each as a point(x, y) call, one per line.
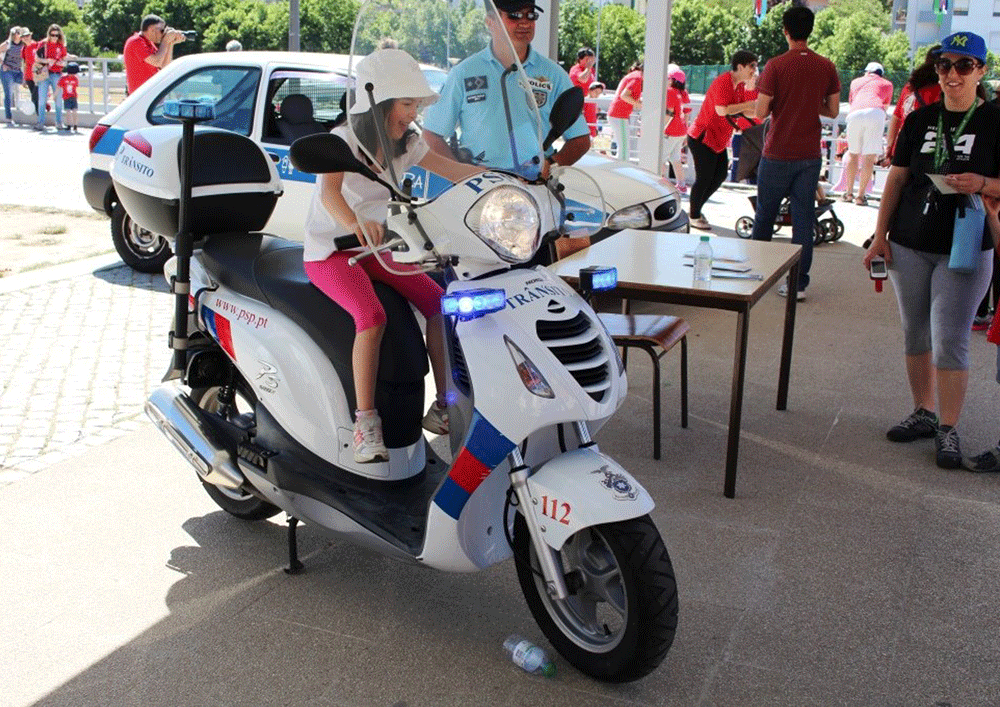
point(827, 228)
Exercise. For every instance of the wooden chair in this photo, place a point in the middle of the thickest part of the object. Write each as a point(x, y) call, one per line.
point(654, 333)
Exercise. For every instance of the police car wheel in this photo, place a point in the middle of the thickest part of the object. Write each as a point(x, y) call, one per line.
point(140, 249)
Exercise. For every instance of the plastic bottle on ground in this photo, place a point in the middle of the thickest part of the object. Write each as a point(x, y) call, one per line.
point(529, 657)
point(703, 261)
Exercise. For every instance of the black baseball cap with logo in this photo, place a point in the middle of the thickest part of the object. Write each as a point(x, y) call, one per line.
point(515, 5)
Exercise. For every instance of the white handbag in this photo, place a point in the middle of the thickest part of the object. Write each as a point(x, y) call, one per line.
point(25, 105)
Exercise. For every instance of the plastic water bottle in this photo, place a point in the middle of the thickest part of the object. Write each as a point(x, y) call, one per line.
point(529, 657)
point(703, 261)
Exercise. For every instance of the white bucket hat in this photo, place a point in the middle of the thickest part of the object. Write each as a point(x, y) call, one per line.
point(393, 74)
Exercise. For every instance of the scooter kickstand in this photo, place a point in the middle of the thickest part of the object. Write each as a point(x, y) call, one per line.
point(294, 566)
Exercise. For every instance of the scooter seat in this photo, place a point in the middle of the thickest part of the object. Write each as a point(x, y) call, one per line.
point(269, 269)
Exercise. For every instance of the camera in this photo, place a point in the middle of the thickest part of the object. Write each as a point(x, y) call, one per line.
point(878, 269)
point(189, 34)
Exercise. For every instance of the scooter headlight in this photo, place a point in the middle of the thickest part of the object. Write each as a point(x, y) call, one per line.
point(472, 304)
point(507, 220)
point(631, 217)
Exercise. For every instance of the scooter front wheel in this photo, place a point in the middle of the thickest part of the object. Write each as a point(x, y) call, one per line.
point(234, 501)
point(620, 617)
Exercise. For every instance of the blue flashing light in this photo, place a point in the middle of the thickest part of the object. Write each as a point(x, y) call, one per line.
point(596, 278)
point(471, 304)
point(189, 108)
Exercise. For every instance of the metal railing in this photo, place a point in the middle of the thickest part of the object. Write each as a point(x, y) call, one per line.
point(102, 84)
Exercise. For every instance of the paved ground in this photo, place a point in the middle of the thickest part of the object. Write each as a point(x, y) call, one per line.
point(848, 571)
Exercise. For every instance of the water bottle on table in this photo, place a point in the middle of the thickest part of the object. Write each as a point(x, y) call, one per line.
point(529, 657)
point(703, 262)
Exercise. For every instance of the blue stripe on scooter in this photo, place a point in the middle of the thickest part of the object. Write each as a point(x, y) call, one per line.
point(485, 447)
point(486, 443)
point(452, 498)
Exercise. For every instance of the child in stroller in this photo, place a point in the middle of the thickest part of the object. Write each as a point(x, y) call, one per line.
point(825, 229)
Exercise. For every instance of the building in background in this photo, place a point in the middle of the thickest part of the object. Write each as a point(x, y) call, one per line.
point(927, 21)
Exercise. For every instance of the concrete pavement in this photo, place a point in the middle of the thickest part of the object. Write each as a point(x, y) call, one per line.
point(848, 570)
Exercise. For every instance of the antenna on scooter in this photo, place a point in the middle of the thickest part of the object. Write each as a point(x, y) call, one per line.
point(188, 112)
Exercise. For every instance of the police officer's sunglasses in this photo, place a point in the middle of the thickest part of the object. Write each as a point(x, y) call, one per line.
point(963, 67)
point(529, 15)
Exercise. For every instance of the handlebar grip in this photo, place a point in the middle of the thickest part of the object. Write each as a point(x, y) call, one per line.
point(346, 242)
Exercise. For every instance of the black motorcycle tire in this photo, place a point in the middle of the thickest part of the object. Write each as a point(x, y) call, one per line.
point(648, 586)
point(138, 248)
point(241, 504)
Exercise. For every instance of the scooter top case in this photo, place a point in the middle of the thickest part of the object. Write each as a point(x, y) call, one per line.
point(236, 192)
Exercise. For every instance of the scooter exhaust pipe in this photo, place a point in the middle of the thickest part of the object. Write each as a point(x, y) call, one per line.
point(182, 423)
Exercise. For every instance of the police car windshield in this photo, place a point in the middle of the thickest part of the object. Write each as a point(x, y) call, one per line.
point(486, 110)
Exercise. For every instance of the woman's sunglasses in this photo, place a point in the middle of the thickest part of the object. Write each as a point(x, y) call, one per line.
point(529, 15)
point(963, 67)
point(54, 34)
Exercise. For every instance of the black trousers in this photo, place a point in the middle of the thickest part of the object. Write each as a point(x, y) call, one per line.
point(710, 169)
point(33, 89)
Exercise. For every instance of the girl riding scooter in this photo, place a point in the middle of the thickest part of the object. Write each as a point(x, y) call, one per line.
point(347, 203)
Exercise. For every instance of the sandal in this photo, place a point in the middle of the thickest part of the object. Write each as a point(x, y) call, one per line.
point(861, 200)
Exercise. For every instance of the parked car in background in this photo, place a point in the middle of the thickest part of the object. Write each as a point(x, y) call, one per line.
point(275, 98)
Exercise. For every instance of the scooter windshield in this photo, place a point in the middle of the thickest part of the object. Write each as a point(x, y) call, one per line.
point(447, 73)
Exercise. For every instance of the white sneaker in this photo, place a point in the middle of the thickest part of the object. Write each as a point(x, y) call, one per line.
point(701, 223)
point(436, 420)
point(368, 444)
point(783, 292)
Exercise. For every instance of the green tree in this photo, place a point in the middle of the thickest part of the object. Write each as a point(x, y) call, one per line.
point(79, 40)
point(706, 32)
point(326, 25)
point(623, 39)
point(111, 22)
point(577, 28)
point(256, 24)
point(37, 16)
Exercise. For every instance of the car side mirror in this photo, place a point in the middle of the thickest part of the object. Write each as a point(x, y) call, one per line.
point(564, 113)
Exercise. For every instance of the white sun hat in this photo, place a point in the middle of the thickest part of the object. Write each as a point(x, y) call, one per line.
point(393, 74)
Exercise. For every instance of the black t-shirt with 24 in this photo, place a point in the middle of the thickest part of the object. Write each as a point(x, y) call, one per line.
point(924, 218)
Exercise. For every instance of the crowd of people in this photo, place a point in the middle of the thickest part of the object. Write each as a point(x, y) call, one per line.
point(41, 66)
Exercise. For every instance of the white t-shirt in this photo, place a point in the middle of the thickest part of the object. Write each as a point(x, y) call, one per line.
point(369, 200)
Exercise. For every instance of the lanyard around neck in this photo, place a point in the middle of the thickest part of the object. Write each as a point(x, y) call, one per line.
point(945, 137)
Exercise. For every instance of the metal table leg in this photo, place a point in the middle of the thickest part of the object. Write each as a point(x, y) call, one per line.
point(736, 401)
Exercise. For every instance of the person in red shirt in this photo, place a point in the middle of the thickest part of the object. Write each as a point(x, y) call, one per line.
point(731, 93)
point(69, 83)
point(52, 55)
point(28, 56)
point(870, 95)
point(674, 134)
point(590, 107)
point(148, 50)
point(921, 89)
point(582, 75)
point(795, 89)
point(628, 96)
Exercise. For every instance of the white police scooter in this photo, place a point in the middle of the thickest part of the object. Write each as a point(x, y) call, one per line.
point(260, 392)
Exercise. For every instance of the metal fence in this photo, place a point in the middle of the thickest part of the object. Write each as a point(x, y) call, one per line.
point(102, 84)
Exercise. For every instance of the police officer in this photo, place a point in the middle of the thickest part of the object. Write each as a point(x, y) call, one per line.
point(472, 99)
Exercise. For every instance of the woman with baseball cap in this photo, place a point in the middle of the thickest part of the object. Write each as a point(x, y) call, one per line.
point(958, 138)
point(345, 203)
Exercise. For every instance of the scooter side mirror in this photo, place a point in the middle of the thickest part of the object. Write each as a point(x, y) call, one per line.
point(324, 152)
point(564, 113)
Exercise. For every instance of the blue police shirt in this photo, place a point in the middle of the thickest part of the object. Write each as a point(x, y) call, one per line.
point(472, 99)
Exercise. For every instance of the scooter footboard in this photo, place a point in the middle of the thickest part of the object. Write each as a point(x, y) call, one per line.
point(582, 488)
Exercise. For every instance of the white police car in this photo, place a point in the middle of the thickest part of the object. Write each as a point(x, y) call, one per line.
point(277, 97)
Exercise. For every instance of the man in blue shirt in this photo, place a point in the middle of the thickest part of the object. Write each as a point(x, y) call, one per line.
point(472, 98)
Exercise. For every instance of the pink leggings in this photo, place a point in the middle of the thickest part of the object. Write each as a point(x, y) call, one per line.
point(350, 286)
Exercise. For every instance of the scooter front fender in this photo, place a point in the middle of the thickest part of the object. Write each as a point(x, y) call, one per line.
point(582, 488)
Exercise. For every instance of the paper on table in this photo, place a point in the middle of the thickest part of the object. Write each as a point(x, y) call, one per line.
point(720, 265)
point(941, 184)
point(722, 258)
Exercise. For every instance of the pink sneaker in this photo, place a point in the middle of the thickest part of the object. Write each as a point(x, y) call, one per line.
point(368, 444)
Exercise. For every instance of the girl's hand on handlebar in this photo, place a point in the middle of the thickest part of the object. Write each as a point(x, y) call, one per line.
point(369, 233)
point(879, 248)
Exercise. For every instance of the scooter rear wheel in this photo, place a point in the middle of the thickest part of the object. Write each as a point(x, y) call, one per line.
point(621, 616)
point(234, 501)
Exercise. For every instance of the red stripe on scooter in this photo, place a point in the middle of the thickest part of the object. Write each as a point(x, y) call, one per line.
point(225, 335)
point(467, 471)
